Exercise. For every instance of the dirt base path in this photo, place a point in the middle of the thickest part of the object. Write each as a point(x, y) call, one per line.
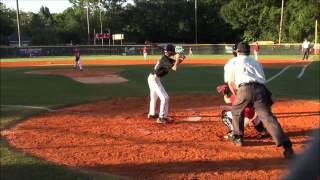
point(140, 62)
point(115, 137)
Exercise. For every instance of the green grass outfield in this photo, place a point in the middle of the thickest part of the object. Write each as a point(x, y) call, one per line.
point(102, 57)
point(54, 91)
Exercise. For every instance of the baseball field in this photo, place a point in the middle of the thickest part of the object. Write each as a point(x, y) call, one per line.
point(60, 123)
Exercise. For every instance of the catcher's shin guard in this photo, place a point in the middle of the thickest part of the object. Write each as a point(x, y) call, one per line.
point(226, 118)
point(259, 127)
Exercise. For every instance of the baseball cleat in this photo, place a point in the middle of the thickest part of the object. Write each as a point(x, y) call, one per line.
point(152, 116)
point(162, 120)
point(237, 140)
point(263, 134)
point(228, 136)
point(288, 153)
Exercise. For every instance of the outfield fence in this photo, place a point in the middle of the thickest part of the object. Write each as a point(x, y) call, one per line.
point(202, 49)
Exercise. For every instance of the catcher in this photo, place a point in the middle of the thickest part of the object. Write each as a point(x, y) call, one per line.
point(250, 117)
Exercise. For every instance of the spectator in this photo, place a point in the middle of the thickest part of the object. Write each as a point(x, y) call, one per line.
point(256, 49)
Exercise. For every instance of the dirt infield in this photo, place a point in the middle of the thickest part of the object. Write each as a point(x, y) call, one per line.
point(114, 137)
point(140, 62)
point(93, 75)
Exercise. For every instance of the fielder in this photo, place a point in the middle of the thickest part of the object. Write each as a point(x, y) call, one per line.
point(77, 64)
point(145, 53)
point(160, 70)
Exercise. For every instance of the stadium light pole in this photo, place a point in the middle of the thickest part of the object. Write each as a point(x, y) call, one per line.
point(100, 8)
point(196, 20)
point(281, 21)
point(88, 23)
point(18, 22)
point(316, 37)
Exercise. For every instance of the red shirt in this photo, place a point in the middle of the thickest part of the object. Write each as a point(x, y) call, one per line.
point(145, 50)
point(248, 111)
point(256, 47)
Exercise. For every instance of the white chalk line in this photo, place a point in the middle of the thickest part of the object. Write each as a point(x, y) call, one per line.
point(28, 107)
point(302, 71)
point(279, 73)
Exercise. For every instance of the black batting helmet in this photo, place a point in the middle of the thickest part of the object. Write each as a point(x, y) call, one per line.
point(169, 48)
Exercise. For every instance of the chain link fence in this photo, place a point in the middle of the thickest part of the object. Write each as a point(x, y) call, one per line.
point(124, 50)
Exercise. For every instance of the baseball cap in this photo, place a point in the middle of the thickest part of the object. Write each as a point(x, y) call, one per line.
point(243, 47)
point(169, 47)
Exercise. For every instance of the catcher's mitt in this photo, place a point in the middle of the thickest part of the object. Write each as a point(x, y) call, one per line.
point(224, 90)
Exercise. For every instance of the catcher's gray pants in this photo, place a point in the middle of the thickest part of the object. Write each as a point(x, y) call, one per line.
point(158, 91)
point(260, 97)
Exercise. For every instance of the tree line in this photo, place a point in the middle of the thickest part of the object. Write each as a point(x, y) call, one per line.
point(218, 21)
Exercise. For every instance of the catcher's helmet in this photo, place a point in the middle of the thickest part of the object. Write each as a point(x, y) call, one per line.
point(169, 48)
point(234, 47)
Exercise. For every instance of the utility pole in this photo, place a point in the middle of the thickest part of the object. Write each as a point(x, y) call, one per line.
point(18, 22)
point(316, 38)
point(281, 22)
point(109, 32)
point(100, 8)
point(196, 20)
point(88, 23)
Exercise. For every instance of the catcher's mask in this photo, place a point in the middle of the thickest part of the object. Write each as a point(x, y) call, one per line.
point(170, 48)
point(234, 49)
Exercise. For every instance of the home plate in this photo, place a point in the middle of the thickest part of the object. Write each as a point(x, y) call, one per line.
point(193, 118)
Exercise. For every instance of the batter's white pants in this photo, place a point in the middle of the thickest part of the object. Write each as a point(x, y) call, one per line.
point(78, 65)
point(158, 91)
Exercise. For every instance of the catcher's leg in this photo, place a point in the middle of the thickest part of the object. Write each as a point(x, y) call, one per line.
point(226, 118)
point(260, 128)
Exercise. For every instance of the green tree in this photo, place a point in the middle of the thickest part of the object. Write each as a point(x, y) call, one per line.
point(261, 19)
point(7, 23)
point(300, 19)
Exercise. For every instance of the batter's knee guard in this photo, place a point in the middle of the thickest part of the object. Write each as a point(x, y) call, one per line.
point(226, 118)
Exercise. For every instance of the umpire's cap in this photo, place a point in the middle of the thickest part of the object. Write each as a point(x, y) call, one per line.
point(243, 47)
point(169, 48)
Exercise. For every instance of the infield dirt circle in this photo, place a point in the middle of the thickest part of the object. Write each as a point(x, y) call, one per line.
point(115, 137)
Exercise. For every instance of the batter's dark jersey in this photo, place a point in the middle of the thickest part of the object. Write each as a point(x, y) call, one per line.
point(164, 65)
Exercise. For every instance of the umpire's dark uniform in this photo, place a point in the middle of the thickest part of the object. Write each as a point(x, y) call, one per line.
point(249, 79)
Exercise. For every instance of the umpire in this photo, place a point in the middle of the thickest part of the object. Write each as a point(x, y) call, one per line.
point(248, 81)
